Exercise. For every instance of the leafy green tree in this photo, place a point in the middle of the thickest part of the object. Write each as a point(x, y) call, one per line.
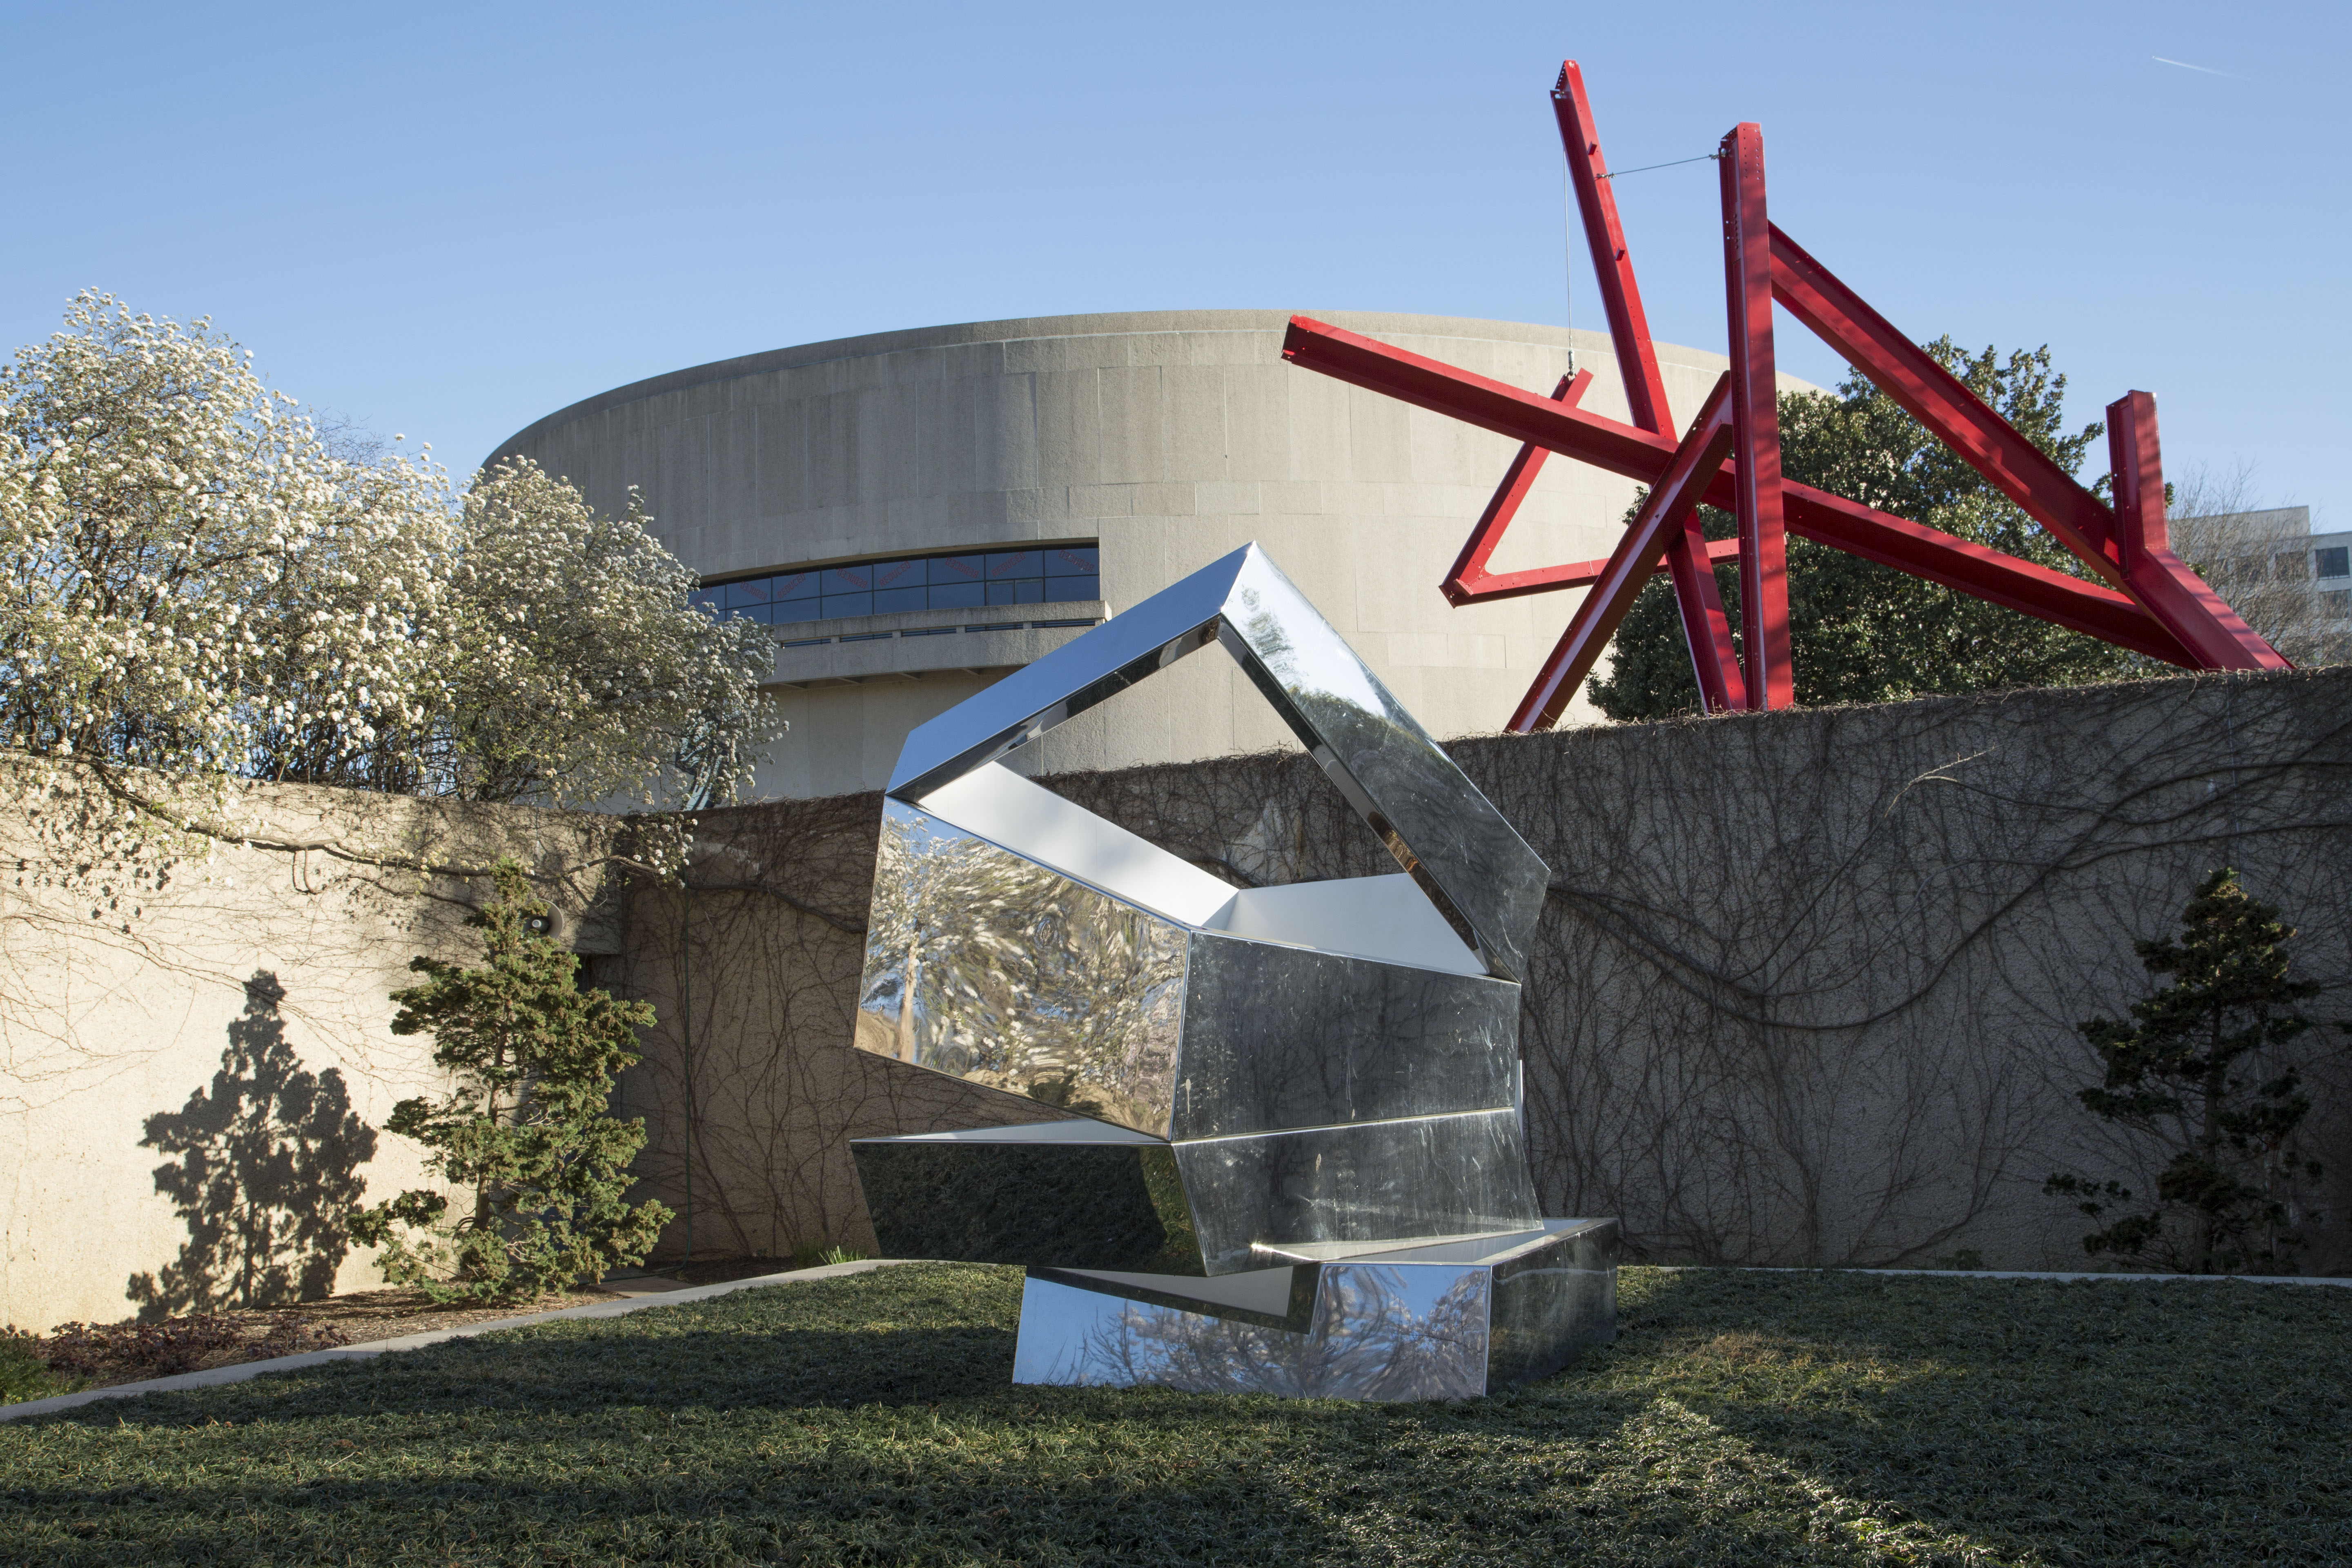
point(526, 1126)
point(1860, 632)
point(2201, 1075)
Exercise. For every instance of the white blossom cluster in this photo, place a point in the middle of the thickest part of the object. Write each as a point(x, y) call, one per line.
point(195, 583)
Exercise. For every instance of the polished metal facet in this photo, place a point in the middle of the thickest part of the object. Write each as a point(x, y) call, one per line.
point(1382, 1181)
point(976, 1198)
point(1290, 1156)
point(1475, 868)
point(1287, 1037)
point(1378, 1334)
point(985, 965)
point(1446, 1321)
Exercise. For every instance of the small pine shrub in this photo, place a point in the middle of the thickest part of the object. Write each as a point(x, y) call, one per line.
point(25, 1372)
point(527, 1127)
point(2204, 1077)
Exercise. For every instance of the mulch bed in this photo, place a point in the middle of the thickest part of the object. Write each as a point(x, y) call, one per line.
point(102, 1355)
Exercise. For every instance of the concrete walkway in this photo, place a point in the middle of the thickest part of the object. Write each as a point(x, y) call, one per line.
point(666, 1295)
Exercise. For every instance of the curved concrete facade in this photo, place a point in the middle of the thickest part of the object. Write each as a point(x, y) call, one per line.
point(1171, 437)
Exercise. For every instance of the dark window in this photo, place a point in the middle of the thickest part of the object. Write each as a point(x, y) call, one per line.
point(1017, 591)
point(1066, 573)
point(748, 613)
point(2334, 562)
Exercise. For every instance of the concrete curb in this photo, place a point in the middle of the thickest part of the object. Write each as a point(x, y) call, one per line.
point(215, 1376)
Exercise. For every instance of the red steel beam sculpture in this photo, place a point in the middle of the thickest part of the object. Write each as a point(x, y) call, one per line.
point(1756, 416)
point(2147, 600)
point(1812, 514)
point(1669, 509)
point(1689, 554)
point(1469, 582)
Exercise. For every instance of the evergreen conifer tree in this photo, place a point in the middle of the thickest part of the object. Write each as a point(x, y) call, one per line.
point(1860, 632)
point(2201, 1074)
point(526, 1125)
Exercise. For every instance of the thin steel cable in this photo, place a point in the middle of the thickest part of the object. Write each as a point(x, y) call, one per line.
point(1568, 226)
point(1671, 163)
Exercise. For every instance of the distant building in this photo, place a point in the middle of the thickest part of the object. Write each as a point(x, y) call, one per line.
point(915, 514)
point(2292, 585)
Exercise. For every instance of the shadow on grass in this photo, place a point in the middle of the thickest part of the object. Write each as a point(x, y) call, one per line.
point(1741, 1417)
point(2192, 1421)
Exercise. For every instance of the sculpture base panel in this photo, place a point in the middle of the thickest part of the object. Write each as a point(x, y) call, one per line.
point(1449, 1319)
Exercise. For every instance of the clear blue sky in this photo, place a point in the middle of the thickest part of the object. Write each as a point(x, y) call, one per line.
point(450, 220)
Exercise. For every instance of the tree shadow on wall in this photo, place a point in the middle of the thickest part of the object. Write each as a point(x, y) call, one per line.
point(264, 1173)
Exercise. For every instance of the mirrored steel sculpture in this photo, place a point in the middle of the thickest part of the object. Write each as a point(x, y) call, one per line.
point(1292, 1158)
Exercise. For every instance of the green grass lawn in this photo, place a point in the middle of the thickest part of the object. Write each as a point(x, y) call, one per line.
point(1742, 1417)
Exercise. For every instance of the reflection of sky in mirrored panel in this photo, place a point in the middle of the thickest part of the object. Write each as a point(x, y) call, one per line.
point(1303, 654)
point(1416, 1291)
point(1057, 1322)
point(1391, 1333)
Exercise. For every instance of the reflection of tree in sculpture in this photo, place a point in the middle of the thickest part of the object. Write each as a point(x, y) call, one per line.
point(1002, 972)
point(1371, 1345)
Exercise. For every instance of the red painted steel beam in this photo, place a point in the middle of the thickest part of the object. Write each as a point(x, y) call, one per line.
point(1469, 582)
point(2212, 633)
point(1637, 360)
point(1670, 506)
point(2171, 590)
point(1848, 525)
point(1756, 415)
point(2137, 464)
point(1943, 403)
point(1612, 263)
point(1578, 575)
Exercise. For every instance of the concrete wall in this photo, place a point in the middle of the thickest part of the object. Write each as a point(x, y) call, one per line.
point(1173, 438)
point(196, 1062)
point(1805, 991)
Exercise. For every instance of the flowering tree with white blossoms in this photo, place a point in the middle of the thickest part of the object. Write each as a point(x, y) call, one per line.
point(193, 587)
point(576, 669)
point(198, 588)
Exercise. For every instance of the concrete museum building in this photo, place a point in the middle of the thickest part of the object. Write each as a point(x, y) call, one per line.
point(915, 514)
